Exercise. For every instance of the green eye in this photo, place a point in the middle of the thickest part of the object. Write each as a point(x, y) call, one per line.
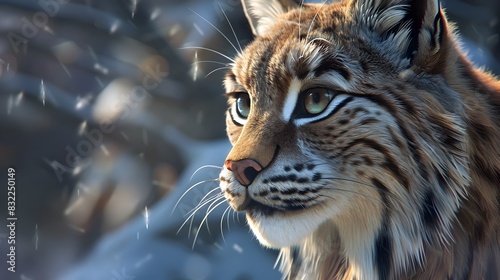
point(316, 100)
point(243, 105)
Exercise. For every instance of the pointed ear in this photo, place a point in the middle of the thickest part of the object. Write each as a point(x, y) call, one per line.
point(262, 13)
point(416, 27)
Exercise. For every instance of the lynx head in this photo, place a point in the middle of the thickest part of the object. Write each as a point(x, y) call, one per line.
point(344, 128)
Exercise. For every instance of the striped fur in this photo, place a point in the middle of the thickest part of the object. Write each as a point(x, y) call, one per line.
point(399, 177)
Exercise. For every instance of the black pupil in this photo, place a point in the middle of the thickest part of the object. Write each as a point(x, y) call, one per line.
point(316, 97)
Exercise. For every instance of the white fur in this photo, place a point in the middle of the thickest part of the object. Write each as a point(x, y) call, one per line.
point(291, 99)
point(288, 229)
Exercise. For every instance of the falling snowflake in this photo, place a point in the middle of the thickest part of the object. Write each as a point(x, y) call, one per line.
point(195, 66)
point(133, 7)
point(156, 12)
point(237, 248)
point(36, 237)
point(42, 92)
point(146, 217)
point(82, 127)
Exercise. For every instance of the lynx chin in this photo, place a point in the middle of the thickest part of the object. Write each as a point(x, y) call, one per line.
point(365, 143)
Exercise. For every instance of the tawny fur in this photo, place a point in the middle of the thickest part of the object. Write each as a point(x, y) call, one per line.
point(403, 181)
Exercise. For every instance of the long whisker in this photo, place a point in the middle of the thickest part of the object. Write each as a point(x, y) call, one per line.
point(205, 219)
point(314, 18)
point(234, 220)
point(203, 199)
point(200, 205)
point(222, 222)
point(190, 188)
point(203, 167)
point(210, 61)
point(227, 220)
point(231, 26)
point(310, 26)
point(218, 30)
point(196, 209)
point(215, 70)
point(207, 49)
point(300, 14)
point(208, 211)
point(312, 41)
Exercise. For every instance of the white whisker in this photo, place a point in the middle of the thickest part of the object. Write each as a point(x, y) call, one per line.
point(202, 204)
point(203, 198)
point(222, 222)
point(203, 167)
point(210, 61)
point(207, 49)
point(206, 217)
point(231, 26)
point(227, 219)
point(311, 24)
point(190, 188)
point(218, 30)
point(215, 70)
point(195, 210)
point(300, 15)
point(206, 213)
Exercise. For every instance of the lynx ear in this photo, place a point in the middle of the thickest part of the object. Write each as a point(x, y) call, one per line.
point(415, 26)
point(262, 13)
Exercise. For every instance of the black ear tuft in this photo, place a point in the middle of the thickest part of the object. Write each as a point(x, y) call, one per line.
point(415, 18)
point(415, 26)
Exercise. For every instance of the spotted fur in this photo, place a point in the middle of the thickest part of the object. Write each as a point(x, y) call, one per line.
point(399, 176)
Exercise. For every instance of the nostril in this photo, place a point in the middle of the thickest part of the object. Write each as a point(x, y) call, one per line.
point(250, 173)
point(245, 170)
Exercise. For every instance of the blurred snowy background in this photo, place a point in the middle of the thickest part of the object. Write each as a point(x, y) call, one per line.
point(106, 112)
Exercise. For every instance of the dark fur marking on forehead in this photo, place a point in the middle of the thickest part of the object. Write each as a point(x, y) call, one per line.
point(261, 67)
point(266, 72)
point(301, 70)
point(329, 63)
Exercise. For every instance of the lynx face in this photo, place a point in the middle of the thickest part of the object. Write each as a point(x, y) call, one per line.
point(318, 122)
point(348, 125)
point(303, 144)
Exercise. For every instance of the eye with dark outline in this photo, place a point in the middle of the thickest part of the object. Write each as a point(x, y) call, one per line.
point(313, 101)
point(242, 105)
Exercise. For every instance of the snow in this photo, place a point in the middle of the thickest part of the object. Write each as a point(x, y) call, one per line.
point(134, 252)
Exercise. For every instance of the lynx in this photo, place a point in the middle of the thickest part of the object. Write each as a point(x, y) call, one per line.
point(365, 143)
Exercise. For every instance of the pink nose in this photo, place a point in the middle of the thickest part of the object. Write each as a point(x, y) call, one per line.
point(244, 170)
